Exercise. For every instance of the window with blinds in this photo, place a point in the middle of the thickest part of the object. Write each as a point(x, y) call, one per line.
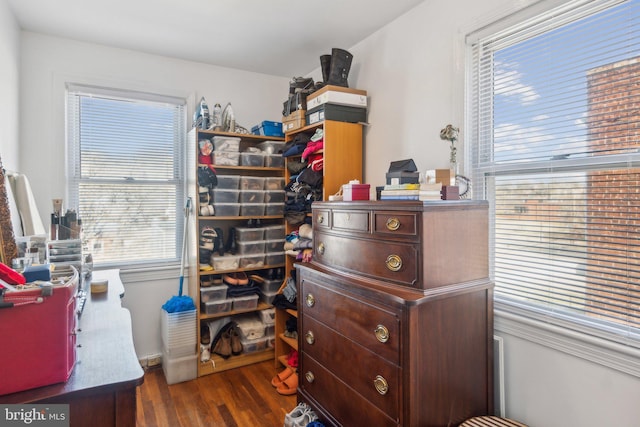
point(554, 121)
point(126, 173)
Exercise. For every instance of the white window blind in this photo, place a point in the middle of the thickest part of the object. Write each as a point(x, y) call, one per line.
point(126, 173)
point(554, 133)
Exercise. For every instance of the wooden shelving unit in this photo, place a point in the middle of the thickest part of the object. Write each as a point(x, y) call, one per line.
point(342, 162)
point(217, 363)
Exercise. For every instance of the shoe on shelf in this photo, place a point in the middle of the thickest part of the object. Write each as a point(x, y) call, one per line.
point(223, 346)
point(281, 376)
point(205, 335)
point(295, 413)
point(236, 344)
point(289, 386)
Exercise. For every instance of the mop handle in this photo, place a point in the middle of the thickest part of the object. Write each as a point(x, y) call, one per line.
point(187, 208)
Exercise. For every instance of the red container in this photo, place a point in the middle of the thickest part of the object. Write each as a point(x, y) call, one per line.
point(38, 337)
point(352, 192)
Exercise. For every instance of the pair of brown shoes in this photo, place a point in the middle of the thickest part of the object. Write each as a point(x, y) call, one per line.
point(228, 342)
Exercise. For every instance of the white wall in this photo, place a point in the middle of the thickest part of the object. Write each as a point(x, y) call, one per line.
point(9, 85)
point(414, 72)
point(49, 62)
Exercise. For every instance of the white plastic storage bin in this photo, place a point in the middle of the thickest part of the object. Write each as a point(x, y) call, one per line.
point(226, 158)
point(253, 209)
point(274, 258)
point(251, 248)
point(226, 143)
point(213, 293)
point(250, 325)
point(178, 329)
point(252, 261)
point(252, 182)
point(274, 245)
point(274, 209)
point(228, 182)
point(270, 285)
point(274, 183)
point(226, 209)
point(274, 232)
point(253, 345)
point(252, 196)
point(248, 234)
point(268, 316)
point(225, 196)
point(274, 196)
point(252, 159)
point(268, 297)
point(227, 262)
point(217, 307)
point(177, 370)
point(249, 302)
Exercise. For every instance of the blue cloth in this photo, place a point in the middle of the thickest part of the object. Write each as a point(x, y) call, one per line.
point(179, 303)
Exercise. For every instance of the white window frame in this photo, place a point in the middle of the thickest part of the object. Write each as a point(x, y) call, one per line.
point(613, 348)
point(178, 180)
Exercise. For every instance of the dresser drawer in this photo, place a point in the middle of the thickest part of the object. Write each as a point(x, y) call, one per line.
point(348, 408)
point(372, 327)
point(395, 224)
point(390, 261)
point(339, 354)
point(322, 218)
point(350, 221)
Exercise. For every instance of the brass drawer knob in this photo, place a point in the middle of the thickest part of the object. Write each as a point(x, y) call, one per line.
point(320, 218)
point(393, 224)
point(321, 248)
point(394, 262)
point(310, 337)
point(382, 333)
point(310, 300)
point(309, 377)
point(381, 385)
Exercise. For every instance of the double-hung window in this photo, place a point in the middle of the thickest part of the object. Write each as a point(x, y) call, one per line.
point(126, 174)
point(554, 143)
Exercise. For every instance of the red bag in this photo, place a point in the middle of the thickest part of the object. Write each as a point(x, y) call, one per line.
point(11, 276)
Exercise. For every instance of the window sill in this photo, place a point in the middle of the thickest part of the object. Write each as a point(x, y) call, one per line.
point(532, 326)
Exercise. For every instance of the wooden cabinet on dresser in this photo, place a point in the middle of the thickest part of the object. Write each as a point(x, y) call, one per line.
point(396, 314)
point(342, 162)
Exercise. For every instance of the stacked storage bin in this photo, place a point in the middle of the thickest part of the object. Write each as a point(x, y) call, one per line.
point(269, 289)
point(179, 341)
point(226, 151)
point(257, 330)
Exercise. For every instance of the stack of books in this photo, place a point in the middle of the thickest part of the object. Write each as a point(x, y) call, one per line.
point(412, 192)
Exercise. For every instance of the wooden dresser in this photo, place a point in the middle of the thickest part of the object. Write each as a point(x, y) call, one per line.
point(396, 314)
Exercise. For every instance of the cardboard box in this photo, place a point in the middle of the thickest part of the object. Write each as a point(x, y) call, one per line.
point(38, 339)
point(444, 176)
point(294, 121)
point(339, 113)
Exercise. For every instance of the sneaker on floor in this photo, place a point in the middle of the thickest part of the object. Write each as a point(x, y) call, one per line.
point(295, 413)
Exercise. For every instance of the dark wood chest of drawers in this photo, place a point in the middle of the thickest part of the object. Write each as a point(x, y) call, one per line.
point(395, 314)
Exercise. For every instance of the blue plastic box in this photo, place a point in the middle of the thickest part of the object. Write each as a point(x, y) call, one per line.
point(267, 128)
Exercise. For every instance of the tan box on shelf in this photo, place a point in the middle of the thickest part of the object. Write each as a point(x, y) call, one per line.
point(294, 121)
point(444, 176)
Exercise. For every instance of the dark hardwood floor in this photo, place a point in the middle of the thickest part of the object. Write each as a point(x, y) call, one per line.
point(242, 397)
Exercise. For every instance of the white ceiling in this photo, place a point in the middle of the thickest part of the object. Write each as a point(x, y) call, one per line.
point(277, 37)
